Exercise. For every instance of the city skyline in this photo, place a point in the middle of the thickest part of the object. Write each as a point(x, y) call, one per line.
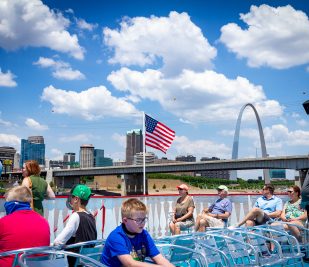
point(77, 74)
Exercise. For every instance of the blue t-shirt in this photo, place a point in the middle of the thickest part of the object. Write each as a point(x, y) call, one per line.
point(221, 206)
point(118, 243)
point(269, 205)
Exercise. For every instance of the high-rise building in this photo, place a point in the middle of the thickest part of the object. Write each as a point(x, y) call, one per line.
point(149, 158)
point(277, 173)
point(134, 145)
point(7, 154)
point(16, 161)
point(220, 174)
point(32, 149)
point(100, 160)
point(188, 158)
point(68, 160)
point(86, 156)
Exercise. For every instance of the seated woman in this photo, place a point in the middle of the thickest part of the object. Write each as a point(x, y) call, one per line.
point(292, 212)
point(183, 212)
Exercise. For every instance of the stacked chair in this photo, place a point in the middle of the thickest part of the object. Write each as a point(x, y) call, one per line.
point(87, 254)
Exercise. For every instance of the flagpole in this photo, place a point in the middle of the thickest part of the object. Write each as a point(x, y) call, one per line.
point(144, 152)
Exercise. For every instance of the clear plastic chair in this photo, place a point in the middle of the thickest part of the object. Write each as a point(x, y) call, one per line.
point(52, 258)
point(214, 256)
point(182, 256)
point(92, 249)
point(13, 254)
point(304, 232)
point(239, 253)
point(262, 246)
point(289, 244)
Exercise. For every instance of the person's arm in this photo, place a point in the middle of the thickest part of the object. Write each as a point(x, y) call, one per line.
point(275, 214)
point(161, 261)
point(278, 209)
point(49, 192)
point(223, 216)
point(187, 215)
point(302, 217)
point(69, 230)
point(128, 261)
point(282, 216)
point(25, 182)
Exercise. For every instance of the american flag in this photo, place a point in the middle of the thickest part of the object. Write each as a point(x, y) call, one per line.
point(158, 135)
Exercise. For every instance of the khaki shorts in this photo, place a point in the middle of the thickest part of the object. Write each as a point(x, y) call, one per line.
point(213, 222)
point(184, 225)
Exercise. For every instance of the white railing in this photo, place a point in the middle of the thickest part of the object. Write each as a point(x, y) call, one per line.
point(108, 214)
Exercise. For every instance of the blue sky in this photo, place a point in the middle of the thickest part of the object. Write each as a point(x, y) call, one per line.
point(82, 72)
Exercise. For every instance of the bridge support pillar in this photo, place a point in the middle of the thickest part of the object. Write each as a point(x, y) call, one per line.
point(133, 184)
point(302, 176)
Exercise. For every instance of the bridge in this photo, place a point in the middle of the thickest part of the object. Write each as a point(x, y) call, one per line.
point(133, 174)
point(289, 162)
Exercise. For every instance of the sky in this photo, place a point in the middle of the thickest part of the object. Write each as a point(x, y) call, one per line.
point(83, 72)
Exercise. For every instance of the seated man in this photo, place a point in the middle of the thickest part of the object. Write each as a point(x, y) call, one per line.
point(266, 208)
point(217, 214)
point(21, 227)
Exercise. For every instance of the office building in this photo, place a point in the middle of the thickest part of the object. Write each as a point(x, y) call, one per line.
point(32, 149)
point(100, 160)
point(68, 160)
point(16, 161)
point(7, 154)
point(188, 158)
point(134, 145)
point(55, 164)
point(149, 158)
point(220, 174)
point(86, 156)
point(277, 174)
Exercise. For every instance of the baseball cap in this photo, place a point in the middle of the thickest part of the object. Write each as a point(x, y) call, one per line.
point(82, 191)
point(222, 187)
point(183, 186)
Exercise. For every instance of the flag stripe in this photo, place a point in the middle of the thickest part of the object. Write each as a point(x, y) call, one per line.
point(158, 135)
point(155, 146)
point(157, 141)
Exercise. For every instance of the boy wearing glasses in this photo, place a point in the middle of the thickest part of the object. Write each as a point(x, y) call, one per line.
point(266, 208)
point(129, 244)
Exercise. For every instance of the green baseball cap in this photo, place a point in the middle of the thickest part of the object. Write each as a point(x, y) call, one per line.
point(82, 191)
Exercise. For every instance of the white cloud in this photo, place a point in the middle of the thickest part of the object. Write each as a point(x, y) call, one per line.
point(302, 122)
point(33, 124)
point(56, 154)
point(6, 123)
point(196, 96)
point(174, 40)
point(275, 37)
point(200, 148)
point(82, 138)
point(10, 140)
point(91, 104)
point(61, 70)
point(7, 79)
point(279, 136)
point(31, 23)
point(68, 74)
point(120, 139)
point(83, 25)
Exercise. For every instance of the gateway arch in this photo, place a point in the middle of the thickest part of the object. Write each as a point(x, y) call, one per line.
point(233, 175)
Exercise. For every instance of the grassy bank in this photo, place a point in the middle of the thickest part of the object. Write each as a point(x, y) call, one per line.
point(211, 183)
